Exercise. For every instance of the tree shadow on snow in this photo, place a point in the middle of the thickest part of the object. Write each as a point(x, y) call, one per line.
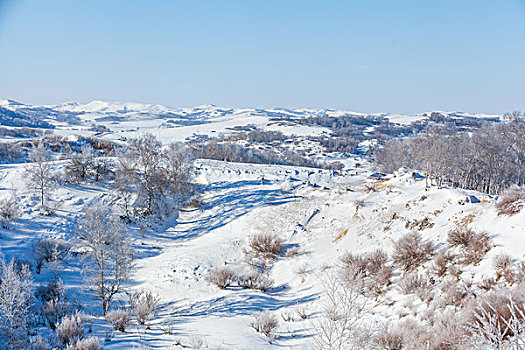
point(228, 202)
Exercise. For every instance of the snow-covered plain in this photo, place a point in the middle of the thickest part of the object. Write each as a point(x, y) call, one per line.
point(312, 209)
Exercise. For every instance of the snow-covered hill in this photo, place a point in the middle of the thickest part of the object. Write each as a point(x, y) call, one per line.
point(320, 215)
point(118, 120)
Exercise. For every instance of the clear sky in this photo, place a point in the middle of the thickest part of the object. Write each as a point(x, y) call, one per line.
point(368, 56)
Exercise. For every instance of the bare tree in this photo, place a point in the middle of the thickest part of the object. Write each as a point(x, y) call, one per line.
point(179, 169)
point(15, 303)
point(342, 323)
point(109, 255)
point(40, 173)
point(141, 164)
point(488, 159)
point(80, 163)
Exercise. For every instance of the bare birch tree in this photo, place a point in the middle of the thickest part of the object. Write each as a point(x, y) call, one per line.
point(40, 173)
point(108, 260)
point(142, 164)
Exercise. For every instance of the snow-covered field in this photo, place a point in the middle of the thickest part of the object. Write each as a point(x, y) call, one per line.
point(321, 213)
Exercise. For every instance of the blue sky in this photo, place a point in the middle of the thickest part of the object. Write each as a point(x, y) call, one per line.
point(367, 56)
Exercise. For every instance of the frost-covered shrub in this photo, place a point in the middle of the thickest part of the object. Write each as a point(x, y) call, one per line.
point(119, 318)
point(71, 329)
point(88, 343)
point(53, 302)
point(292, 252)
point(256, 280)
point(265, 323)
point(266, 245)
point(449, 292)
point(406, 334)
point(390, 341)
point(503, 265)
point(15, 304)
point(222, 277)
point(39, 343)
point(9, 210)
point(511, 202)
point(461, 236)
point(354, 265)
point(448, 330)
point(498, 316)
point(287, 315)
point(364, 264)
point(370, 266)
point(48, 250)
point(376, 261)
point(410, 251)
point(381, 280)
point(441, 262)
point(414, 283)
point(194, 202)
point(143, 305)
point(476, 250)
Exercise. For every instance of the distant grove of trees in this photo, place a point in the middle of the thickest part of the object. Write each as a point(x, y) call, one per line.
point(488, 159)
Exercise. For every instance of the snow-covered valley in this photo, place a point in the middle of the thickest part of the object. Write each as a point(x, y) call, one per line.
point(319, 214)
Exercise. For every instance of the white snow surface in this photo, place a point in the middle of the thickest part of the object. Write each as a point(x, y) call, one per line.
point(312, 209)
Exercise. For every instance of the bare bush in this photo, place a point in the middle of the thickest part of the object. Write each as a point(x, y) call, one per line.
point(287, 315)
point(265, 323)
point(256, 280)
point(503, 264)
point(222, 277)
point(448, 330)
point(119, 318)
point(342, 323)
point(376, 261)
point(49, 250)
point(441, 262)
point(449, 293)
point(9, 210)
point(39, 343)
point(194, 202)
point(53, 301)
point(354, 265)
point(381, 280)
point(410, 251)
point(266, 245)
point(498, 322)
point(357, 267)
point(80, 164)
point(143, 305)
point(88, 343)
point(71, 329)
point(511, 202)
point(407, 334)
point(477, 249)
point(415, 283)
point(461, 236)
point(292, 252)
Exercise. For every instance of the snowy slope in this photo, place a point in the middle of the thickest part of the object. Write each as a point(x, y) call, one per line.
point(312, 209)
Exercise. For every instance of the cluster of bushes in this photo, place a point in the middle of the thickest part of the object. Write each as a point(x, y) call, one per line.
point(261, 252)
